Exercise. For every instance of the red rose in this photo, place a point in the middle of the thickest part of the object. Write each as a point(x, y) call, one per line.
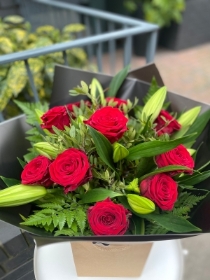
point(58, 116)
point(111, 122)
point(177, 156)
point(118, 101)
point(71, 169)
point(108, 218)
point(36, 172)
point(161, 189)
point(166, 123)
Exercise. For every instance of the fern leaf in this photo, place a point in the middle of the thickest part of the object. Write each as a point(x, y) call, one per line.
point(37, 219)
point(80, 218)
point(62, 220)
point(51, 205)
point(182, 211)
point(64, 231)
point(154, 228)
point(55, 219)
point(152, 89)
point(49, 228)
point(185, 203)
point(45, 211)
point(69, 217)
point(74, 227)
point(29, 110)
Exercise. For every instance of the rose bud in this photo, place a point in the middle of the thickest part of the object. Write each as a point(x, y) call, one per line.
point(111, 122)
point(36, 172)
point(165, 123)
point(70, 169)
point(108, 218)
point(177, 156)
point(140, 204)
point(20, 195)
point(161, 189)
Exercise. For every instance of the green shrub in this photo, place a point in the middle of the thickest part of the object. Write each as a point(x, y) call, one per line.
point(15, 35)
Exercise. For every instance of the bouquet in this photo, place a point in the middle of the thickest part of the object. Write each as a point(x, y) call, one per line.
point(106, 166)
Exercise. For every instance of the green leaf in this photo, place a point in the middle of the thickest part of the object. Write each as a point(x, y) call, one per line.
point(17, 77)
point(138, 226)
point(168, 221)
point(55, 219)
point(172, 223)
point(29, 110)
point(69, 217)
point(103, 147)
point(195, 178)
point(80, 218)
point(62, 220)
point(165, 169)
point(22, 163)
point(117, 81)
point(98, 194)
point(199, 125)
point(152, 89)
point(156, 147)
point(145, 165)
point(68, 232)
point(10, 182)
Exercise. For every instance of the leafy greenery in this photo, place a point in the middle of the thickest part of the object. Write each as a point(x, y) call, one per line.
point(60, 213)
point(161, 12)
point(116, 180)
point(16, 35)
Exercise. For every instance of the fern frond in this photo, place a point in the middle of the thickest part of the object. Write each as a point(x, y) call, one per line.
point(29, 110)
point(45, 211)
point(65, 231)
point(182, 211)
point(62, 220)
point(37, 220)
point(154, 228)
point(152, 89)
point(188, 199)
point(185, 203)
point(51, 205)
point(70, 215)
point(80, 217)
point(49, 228)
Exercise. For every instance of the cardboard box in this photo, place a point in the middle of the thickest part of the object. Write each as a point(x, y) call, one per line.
point(110, 260)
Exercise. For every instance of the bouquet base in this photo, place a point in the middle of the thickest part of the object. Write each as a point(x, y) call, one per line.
point(110, 260)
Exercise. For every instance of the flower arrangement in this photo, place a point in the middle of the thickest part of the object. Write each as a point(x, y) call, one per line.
point(108, 166)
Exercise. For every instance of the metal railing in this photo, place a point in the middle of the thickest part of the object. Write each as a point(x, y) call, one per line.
point(118, 27)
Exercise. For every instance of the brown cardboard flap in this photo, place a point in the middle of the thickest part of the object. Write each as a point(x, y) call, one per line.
point(113, 260)
point(146, 73)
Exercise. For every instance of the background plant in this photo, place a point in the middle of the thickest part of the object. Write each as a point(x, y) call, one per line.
point(161, 12)
point(16, 35)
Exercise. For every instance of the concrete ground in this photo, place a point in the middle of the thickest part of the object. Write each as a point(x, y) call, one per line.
point(186, 72)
